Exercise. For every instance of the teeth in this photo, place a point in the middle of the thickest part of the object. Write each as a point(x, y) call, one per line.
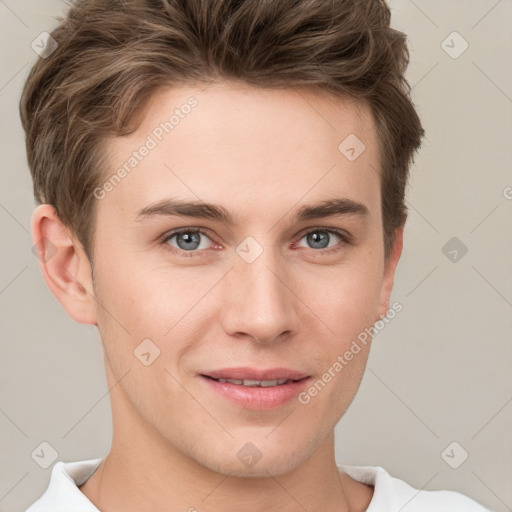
point(254, 383)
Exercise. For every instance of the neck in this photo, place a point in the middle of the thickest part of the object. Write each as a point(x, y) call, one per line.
point(135, 479)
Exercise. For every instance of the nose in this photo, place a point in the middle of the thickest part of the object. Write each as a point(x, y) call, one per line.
point(260, 303)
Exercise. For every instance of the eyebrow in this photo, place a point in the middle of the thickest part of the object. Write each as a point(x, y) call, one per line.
point(198, 209)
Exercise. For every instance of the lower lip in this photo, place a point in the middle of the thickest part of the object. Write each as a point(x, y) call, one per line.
point(255, 397)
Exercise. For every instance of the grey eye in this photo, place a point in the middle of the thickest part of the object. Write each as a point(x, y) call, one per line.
point(188, 240)
point(319, 239)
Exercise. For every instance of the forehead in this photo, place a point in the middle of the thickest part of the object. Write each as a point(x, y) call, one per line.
point(232, 142)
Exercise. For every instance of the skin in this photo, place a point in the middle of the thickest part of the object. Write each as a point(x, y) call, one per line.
point(261, 154)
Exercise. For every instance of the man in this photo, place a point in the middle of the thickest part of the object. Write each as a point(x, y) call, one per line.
point(222, 194)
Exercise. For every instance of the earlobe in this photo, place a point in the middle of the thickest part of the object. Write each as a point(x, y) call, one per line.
point(389, 273)
point(64, 264)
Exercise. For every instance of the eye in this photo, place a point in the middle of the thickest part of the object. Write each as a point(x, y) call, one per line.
point(187, 240)
point(191, 241)
point(320, 238)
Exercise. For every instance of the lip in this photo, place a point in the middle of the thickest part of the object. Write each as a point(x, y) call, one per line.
point(255, 374)
point(259, 398)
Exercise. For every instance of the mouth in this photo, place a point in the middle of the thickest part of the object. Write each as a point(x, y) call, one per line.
point(250, 377)
point(251, 383)
point(256, 389)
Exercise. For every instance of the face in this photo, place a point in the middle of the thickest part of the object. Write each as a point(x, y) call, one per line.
point(264, 281)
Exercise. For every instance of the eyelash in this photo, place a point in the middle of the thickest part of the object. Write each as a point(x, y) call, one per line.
point(345, 240)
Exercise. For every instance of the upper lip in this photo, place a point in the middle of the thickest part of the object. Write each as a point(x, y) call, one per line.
point(246, 373)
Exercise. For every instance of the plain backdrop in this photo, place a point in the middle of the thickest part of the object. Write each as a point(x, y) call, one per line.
point(438, 386)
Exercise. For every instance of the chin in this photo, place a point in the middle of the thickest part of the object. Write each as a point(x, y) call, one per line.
point(253, 460)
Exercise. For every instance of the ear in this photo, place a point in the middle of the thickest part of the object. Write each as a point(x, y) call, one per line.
point(389, 273)
point(64, 264)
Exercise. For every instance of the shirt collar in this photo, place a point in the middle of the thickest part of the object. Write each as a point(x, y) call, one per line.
point(63, 493)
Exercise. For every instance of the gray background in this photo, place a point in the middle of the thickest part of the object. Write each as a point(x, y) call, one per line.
point(438, 373)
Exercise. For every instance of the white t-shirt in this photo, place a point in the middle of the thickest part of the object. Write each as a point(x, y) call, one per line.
point(390, 494)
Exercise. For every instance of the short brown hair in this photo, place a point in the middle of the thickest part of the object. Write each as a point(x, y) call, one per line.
point(113, 54)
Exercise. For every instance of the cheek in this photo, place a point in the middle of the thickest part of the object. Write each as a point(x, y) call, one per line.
point(349, 298)
point(141, 302)
point(347, 306)
point(147, 299)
